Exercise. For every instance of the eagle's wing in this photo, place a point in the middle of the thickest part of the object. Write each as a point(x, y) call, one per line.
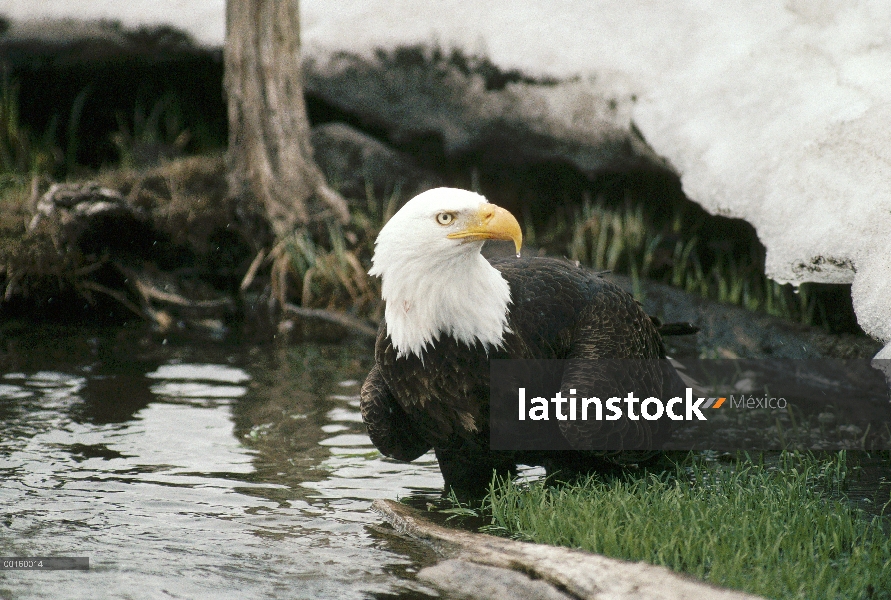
point(616, 349)
point(388, 426)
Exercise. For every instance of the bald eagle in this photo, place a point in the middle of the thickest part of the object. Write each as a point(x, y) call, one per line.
point(449, 311)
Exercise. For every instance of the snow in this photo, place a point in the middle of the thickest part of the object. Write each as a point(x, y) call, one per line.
point(773, 111)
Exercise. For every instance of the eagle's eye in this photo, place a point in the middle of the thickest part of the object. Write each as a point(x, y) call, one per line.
point(445, 218)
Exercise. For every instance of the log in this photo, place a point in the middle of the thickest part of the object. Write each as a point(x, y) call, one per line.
point(572, 573)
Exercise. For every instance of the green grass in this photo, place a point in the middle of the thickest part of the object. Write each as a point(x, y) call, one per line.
point(156, 134)
point(783, 531)
point(327, 268)
point(624, 240)
point(21, 152)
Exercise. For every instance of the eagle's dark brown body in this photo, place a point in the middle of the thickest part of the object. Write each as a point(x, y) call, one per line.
point(557, 311)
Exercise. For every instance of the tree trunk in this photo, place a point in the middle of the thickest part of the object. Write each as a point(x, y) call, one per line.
point(270, 156)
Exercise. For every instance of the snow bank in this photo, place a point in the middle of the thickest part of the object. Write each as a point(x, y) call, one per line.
point(775, 112)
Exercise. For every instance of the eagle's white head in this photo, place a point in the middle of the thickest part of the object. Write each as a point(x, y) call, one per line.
point(435, 281)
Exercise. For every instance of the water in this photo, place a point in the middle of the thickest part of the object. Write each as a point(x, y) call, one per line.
point(199, 470)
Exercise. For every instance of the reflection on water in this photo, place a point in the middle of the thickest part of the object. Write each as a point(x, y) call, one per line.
point(195, 471)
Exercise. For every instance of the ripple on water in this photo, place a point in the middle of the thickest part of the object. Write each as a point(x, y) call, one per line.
point(153, 476)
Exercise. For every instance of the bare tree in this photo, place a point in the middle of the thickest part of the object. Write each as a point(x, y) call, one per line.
point(270, 156)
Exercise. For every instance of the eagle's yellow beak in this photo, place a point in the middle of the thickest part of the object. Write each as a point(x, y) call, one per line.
point(491, 223)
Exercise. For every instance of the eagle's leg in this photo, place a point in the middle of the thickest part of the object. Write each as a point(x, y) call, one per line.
point(389, 427)
point(469, 473)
